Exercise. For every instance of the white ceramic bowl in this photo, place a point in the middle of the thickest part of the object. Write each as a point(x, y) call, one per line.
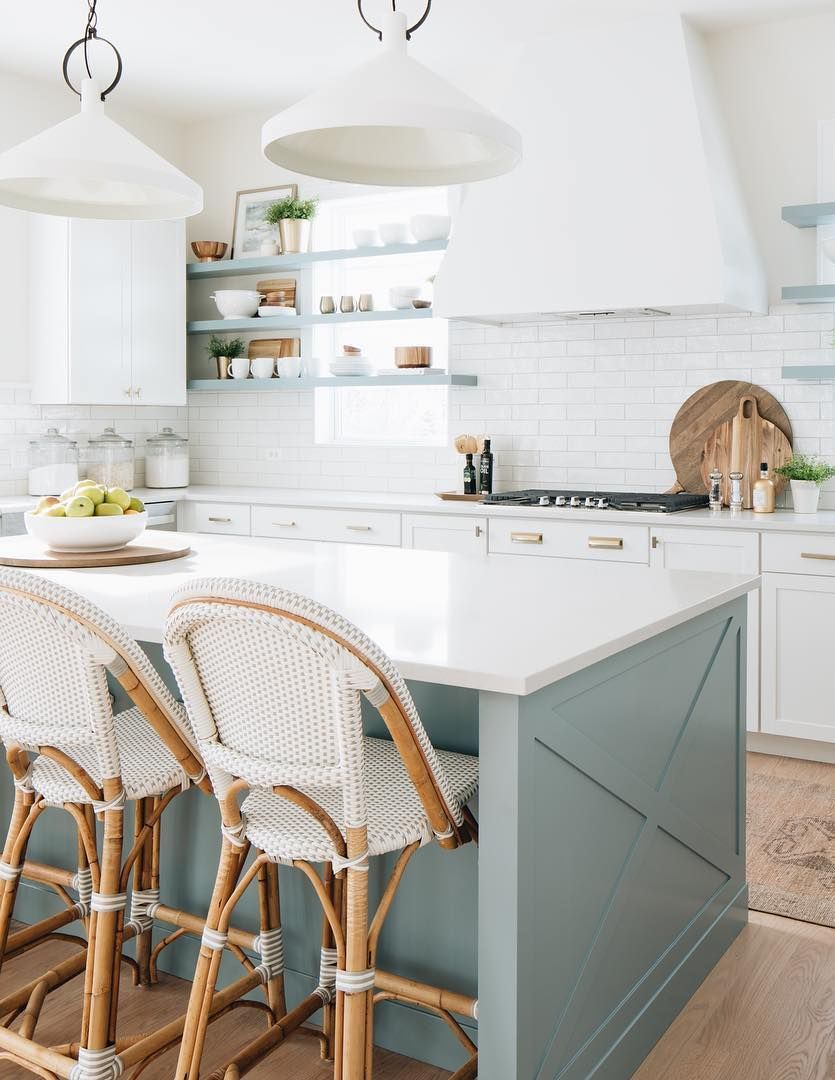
point(430, 226)
point(85, 534)
point(237, 303)
point(401, 296)
point(394, 232)
point(366, 237)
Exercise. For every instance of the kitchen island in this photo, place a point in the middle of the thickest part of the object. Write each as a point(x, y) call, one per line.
point(607, 707)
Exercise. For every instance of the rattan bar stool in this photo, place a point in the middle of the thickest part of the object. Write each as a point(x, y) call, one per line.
point(272, 684)
point(67, 749)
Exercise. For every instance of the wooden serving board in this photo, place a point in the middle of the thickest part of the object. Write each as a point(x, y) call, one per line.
point(278, 347)
point(25, 551)
point(739, 445)
point(703, 412)
point(458, 496)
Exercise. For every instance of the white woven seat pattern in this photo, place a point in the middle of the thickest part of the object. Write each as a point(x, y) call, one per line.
point(148, 767)
point(395, 814)
point(273, 696)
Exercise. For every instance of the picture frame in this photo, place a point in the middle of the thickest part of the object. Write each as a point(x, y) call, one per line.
point(249, 227)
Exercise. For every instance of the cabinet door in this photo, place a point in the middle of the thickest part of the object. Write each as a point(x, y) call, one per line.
point(99, 312)
point(445, 532)
point(798, 627)
point(721, 551)
point(158, 315)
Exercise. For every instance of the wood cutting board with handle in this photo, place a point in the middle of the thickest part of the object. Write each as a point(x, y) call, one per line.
point(704, 411)
point(739, 445)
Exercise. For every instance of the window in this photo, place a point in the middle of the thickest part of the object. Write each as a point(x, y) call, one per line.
point(376, 416)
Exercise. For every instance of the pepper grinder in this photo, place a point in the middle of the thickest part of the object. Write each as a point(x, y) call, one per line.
point(736, 491)
point(715, 497)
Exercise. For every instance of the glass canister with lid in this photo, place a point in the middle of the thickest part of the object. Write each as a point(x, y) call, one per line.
point(166, 460)
point(53, 463)
point(108, 459)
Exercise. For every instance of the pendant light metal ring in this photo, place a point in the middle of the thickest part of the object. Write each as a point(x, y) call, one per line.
point(411, 29)
point(83, 42)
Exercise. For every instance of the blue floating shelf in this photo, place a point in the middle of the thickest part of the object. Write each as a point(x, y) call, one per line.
point(810, 215)
point(297, 322)
point(809, 294)
point(809, 371)
point(237, 267)
point(429, 378)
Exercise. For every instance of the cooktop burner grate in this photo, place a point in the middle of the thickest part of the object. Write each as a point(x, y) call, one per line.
point(649, 502)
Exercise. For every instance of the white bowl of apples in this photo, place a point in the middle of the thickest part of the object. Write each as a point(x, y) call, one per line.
point(87, 517)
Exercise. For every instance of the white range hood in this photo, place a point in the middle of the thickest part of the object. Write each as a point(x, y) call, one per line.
point(626, 201)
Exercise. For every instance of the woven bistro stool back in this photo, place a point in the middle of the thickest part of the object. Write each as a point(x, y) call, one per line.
point(67, 748)
point(273, 684)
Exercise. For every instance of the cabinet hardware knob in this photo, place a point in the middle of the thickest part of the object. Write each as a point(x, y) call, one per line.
point(609, 542)
point(525, 538)
point(817, 555)
point(221, 521)
point(478, 530)
point(358, 528)
point(655, 542)
point(284, 524)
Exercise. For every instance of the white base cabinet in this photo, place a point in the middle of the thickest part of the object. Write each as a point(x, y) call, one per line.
point(111, 330)
point(720, 551)
point(445, 532)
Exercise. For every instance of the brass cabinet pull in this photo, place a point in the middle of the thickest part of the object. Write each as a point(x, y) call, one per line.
point(525, 538)
point(284, 524)
point(478, 530)
point(816, 555)
point(655, 542)
point(221, 521)
point(610, 542)
point(358, 528)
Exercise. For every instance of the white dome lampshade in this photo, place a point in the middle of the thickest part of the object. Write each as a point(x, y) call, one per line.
point(90, 167)
point(391, 121)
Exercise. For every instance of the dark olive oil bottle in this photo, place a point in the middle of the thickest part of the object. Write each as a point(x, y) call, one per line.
point(469, 477)
point(485, 470)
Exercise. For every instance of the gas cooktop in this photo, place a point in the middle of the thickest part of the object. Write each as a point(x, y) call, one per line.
point(649, 502)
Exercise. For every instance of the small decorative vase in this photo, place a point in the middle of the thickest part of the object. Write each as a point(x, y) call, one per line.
point(805, 496)
point(327, 306)
point(346, 305)
point(222, 367)
point(366, 302)
point(295, 235)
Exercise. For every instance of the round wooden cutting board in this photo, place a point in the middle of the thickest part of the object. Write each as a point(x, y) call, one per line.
point(705, 411)
point(25, 551)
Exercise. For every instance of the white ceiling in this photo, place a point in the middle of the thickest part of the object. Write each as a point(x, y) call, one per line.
point(196, 58)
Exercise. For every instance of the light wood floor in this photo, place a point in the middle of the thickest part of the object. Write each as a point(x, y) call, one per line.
point(766, 1012)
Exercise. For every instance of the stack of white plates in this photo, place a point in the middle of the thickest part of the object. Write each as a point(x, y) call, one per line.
point(351, 365)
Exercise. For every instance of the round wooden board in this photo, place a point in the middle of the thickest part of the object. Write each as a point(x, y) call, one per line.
point(703, 412)
point(26, 552)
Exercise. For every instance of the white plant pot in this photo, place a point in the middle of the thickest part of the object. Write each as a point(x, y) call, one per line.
point(805, 496)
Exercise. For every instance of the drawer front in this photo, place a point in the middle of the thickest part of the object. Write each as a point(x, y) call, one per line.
point(601, 540)
point(315, 523)
point(229, 518)
point(799, 553)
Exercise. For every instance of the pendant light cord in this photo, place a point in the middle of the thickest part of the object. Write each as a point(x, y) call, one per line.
point(379, 33)
point(91, 34)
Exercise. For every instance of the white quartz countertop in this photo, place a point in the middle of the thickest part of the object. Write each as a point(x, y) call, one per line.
point(494, 622)
point(780, 521)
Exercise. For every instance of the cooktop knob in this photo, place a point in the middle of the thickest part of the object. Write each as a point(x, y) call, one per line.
point(603, 503)
point(575, 501)
point(591, 502)
point(544, 500)
point(560, 500)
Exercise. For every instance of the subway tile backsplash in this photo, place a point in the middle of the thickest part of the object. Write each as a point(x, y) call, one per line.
point(565, 404)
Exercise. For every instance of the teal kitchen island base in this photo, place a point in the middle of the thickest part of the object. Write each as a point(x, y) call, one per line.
point(610, 875)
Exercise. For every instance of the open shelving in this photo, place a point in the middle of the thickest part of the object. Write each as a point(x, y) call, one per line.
point(809, 216)
point(427, 378)
point(297, 322)
point(274, 263)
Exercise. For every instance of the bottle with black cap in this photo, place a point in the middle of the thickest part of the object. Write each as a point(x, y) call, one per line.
point(485, 470)
point(469, 477)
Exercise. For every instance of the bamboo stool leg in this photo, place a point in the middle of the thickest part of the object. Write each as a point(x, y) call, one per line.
point(23, 803)
point(142, 871)
point(269, 905)
point(328, 942)
point(208, 962)
point(356, 961)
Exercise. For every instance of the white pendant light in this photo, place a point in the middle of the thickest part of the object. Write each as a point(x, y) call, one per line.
point(90, 167)
point(392, 121)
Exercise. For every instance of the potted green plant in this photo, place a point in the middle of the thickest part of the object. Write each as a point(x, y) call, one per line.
point(293, 217)
point(223, 350)
point(806, 474)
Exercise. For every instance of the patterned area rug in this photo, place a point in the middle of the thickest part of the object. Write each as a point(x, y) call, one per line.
point(791, 848)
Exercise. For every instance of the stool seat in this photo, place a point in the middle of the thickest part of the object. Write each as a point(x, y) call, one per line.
point(148, 766)
point(396, 816)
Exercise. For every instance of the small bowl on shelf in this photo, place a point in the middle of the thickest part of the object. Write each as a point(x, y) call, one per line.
point(366, 238)
point(86, 533)
point(237, 303)
point(401, 296)
point(430, 227)
point(208, 250)
point(394, 232)
point(421, 305)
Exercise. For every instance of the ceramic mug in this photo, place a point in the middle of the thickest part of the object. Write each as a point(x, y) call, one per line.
point(262, 367)
point(239, 367)
point(289, 367)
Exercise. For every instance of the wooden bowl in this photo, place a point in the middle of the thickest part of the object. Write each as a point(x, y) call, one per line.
point(413, 356)
point(208, 250)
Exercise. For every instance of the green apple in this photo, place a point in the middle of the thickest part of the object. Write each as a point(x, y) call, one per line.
point(80, 506)
point(138, 505)
point(54, 511)
point(65, 496)
point(107, 509)
point(45, 503)
point(85, 484)
point(119, 497)
point(94, 494)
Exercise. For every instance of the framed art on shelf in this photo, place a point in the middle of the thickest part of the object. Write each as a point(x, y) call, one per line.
point(250, 229)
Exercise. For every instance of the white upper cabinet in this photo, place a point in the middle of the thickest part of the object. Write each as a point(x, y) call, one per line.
point(110, 329)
